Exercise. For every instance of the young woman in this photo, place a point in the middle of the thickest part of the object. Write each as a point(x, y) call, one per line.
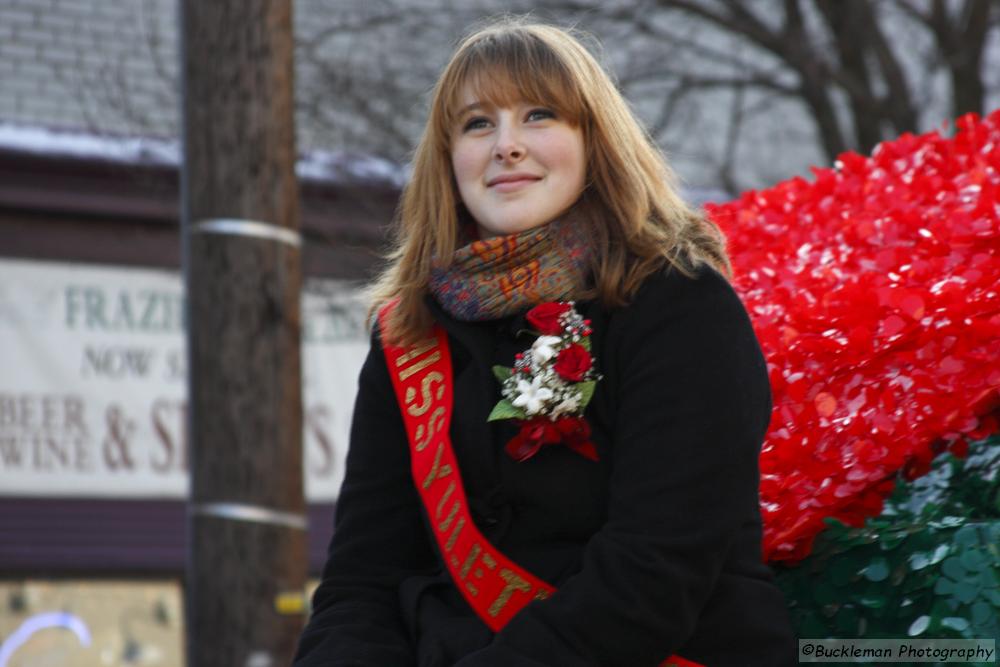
point(553, 457)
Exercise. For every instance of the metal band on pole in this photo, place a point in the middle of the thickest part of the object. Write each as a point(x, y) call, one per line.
point(252, 513)
point(254, 228)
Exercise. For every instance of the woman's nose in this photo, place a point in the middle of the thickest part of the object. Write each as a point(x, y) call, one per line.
point(508, 145)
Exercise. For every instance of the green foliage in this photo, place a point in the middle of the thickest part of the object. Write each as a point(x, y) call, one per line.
point(586, 391)
point(501, 373)
point(928, 566)
point(506, 410)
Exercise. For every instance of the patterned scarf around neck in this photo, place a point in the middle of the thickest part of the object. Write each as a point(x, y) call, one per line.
point(503, 275)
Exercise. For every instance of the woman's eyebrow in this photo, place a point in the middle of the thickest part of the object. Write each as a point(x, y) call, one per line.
point(470, 107)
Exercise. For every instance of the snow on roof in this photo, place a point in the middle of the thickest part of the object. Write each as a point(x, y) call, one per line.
point(344, 166)
point(324, 166)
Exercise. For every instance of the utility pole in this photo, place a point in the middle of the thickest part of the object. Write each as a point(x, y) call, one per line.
point(239, 200)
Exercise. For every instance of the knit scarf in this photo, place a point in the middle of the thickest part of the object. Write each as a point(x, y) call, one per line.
point(503, 275)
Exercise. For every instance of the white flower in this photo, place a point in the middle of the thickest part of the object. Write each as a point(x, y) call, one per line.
point(543, 348)
point(531, 395)
point(567, 405)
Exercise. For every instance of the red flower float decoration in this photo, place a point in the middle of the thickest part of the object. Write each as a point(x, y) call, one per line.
point(874, 293)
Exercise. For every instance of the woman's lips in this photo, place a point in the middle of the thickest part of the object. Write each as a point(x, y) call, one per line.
point(513, 185)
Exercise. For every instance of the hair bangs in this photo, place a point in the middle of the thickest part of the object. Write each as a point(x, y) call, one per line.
point(502, 69)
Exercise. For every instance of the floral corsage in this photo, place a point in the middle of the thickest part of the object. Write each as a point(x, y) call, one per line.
point(550, 384)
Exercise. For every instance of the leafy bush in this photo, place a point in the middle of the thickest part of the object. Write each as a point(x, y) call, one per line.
point(928, 566)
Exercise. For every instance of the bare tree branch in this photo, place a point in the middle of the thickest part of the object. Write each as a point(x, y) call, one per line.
point(728, 164)
point(844, 73)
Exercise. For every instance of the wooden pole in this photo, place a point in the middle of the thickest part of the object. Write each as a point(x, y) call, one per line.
point(246, 518)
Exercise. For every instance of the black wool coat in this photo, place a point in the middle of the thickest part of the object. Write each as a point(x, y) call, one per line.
point(655, 549)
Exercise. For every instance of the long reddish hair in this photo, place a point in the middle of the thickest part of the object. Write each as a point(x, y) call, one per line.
point(634, 216)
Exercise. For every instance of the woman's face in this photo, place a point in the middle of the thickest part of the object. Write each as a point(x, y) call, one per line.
point(517, 167)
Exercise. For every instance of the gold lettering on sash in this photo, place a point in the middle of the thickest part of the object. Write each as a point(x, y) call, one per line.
point(470, 567)
point(437, 419)
point(469, 560)
point(417, 350)
point(424, 435)
point(443, 526)
point(425, 393)
point(421, 441)
point(420, 365)
point(454, 534)
point(444, 499)
point(423, 401)
point(514, 583)
point(438, 471)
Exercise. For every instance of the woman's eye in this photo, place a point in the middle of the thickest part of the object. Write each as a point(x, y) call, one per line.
point(540, 114)
point(474, 124)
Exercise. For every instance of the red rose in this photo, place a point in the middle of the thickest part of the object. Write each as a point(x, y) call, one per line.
point(545, 317)
point(573, 362)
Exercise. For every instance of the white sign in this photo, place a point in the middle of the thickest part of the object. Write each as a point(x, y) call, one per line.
point(93, 386)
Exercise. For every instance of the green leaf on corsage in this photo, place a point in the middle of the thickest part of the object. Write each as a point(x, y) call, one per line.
point(586, 391)
point(505, 410)
point(502, 373)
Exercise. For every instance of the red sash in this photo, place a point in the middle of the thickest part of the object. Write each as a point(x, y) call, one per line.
point(494, 586)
